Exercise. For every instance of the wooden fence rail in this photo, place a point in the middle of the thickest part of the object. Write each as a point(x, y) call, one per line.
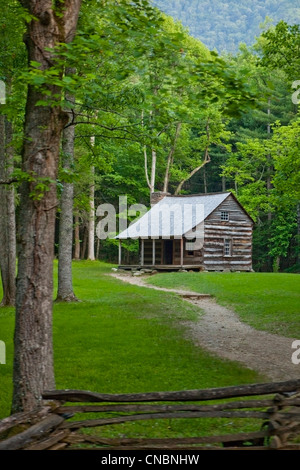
point(275, 407)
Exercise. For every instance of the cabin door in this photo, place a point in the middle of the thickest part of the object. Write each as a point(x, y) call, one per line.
point(168, 251)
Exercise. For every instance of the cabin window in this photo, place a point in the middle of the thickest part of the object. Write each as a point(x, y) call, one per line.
point(224, 215)
point(190, 246)
point(227, 247)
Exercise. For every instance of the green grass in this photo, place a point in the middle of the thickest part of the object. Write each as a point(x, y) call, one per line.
point(123, 338)
point(266, 301)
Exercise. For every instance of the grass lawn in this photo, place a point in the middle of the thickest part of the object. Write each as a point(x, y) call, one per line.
point(123, 338)
point(266, 301)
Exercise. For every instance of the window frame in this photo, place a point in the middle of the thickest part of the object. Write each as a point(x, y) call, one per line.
point(224, 216)
point(189, 246)
point(227, 247)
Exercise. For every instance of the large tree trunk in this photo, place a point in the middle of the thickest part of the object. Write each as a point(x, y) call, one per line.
point(65, 291)
point(7, 219)
point(33, 360)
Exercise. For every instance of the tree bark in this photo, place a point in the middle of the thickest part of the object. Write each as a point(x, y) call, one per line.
point(204, 180)
point(77, 239)
point(65, 291)
point(84, 242)
point(91, 224)
point(33, 360)
point(153, 171)
point(7, 219)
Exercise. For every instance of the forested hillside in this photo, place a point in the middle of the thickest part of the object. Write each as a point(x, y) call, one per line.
point(222, 25)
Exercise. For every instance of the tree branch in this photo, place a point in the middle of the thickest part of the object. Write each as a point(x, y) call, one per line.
point(9, 181)
point(171, 156)
point(146, 167)
point(206, 160)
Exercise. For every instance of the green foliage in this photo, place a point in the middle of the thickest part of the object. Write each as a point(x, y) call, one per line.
point(252, 169)
point(137, 76)
point(281, 48)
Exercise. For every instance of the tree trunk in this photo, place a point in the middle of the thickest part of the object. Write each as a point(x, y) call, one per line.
point(77, 239)
point(33, 360)
point(153, 171)
point(84, 242)
point(7, 219)
point(204, 180)
point(65, 291)
point(91, 225)
point(179, 187)
point(223, 184)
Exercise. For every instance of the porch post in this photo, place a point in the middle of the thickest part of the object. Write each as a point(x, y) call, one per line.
point(153, 251)
point(120, 252)
point(181, 252)
point(142, 251)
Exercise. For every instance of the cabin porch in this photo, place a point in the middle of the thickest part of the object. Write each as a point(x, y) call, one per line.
point(166, 254)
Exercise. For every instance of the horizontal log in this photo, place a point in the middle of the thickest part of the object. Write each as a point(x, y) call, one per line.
point(228, 227)
point(28, 418)
point(284, 415)
point(50, 441)
point(290, 447)
point(36, 431)
point(221, 256)
point(58, 446)
point(219, 251)
point(175, 415)
point(228, 262)
point(162, 408)
point(76, 438)
point(186, 395)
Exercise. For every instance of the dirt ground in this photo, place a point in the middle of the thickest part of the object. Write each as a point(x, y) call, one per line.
point(220, 332)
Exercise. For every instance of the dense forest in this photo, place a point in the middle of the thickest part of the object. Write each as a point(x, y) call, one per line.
point(223, 25)
point(107, 99)
point(150, 108)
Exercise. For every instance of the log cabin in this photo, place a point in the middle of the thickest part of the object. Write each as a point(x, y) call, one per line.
point(206, 232)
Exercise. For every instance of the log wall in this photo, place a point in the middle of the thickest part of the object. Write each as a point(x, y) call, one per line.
point(238, 230)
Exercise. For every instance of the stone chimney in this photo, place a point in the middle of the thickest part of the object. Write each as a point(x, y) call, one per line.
point(157, 196)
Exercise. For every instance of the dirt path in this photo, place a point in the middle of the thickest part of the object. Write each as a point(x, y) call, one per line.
point(221, 332)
